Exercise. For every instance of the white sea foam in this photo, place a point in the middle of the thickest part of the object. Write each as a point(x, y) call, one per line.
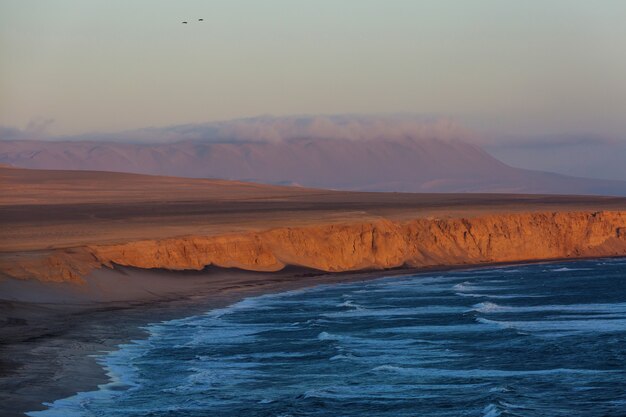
point(434, 329)
point(499, 389)
point(122, 376)
point(566, 269)
point(462, 294)
point(487, 373)
point(351, 304)
point(389, 368)
point(396, 312)
point(466, 286)
point(329, 336)
point(500, 296)
point(341, 357)
point(597, 308)
point(487, 307)
point(230, 350)
point(491, 410)
point(555, 327)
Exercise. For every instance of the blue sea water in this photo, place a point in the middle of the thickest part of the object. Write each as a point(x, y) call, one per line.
point(532, 340)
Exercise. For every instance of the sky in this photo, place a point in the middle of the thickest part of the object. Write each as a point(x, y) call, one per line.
point(504, 67)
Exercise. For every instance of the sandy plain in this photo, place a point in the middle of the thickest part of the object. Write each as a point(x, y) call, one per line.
point(45, 209)
point(48, 329)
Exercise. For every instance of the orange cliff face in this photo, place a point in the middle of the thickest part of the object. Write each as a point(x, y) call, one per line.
point(59, 226)
point(351, 246)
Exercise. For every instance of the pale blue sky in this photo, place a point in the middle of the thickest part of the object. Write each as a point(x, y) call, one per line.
point(518, 67)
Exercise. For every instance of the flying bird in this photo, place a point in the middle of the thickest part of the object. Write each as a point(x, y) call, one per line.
point(184, 23)
point(200, 20)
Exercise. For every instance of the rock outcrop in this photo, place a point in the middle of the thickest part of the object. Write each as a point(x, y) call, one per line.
point(380, 244)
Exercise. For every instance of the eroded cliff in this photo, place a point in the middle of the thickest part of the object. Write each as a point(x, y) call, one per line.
point(352, 246)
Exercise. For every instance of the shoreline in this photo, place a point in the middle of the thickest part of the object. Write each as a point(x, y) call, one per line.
point(55, 344)
point(48, 349)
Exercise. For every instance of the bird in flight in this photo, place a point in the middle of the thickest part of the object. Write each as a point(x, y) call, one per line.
point(184, 23)
point(200, 20)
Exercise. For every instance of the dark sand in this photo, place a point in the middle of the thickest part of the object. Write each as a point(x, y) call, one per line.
point(49, 340)
point(48, 334)
point(48, 331)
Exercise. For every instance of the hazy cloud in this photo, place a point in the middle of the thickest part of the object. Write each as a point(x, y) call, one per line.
point(36, 129)
point(589, 156)
point(350, 127)
point(550, 141)
point(276, 129)
point(10, 133)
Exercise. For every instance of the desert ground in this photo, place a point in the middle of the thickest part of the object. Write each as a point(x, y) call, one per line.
point(47, 209)
point(87, 257)
point(63, 225)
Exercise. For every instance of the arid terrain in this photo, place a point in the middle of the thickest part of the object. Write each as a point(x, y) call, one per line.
point(85, 252)
point(62, 225)
point(407, 165)
point(339, 208)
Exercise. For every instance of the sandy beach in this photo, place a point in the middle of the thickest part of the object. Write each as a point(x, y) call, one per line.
point(48, 342)
point(86, 260)
point(312, 209)
point(51, 339)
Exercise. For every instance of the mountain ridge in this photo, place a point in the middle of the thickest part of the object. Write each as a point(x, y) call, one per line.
point(399, 164)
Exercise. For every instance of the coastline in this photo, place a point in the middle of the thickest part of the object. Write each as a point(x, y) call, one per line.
point(49, 348)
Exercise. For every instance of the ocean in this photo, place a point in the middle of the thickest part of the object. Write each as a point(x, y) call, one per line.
point(528, 340)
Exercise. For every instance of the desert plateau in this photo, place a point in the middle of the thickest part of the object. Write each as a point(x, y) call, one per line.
point(84, 241)
point(312, 209)
point(61, 226)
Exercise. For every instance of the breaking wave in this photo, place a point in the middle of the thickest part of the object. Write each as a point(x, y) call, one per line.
point(527, 341)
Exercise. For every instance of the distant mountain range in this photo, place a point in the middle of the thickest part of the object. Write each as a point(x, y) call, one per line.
point(404, 165)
